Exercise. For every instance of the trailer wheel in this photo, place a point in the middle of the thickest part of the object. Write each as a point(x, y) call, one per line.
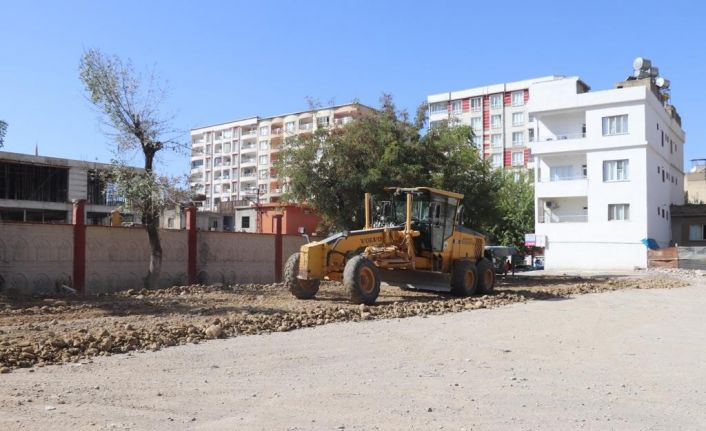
point(362, 279)
point(486, 276)
point(302, 289)
point(464, 278)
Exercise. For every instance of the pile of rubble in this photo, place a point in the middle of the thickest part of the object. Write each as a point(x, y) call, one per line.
point(78, 329)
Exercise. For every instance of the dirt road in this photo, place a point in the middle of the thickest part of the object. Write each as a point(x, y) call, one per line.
point(629, 359)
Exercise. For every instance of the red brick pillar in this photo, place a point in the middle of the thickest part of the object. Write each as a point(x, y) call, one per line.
point(278, 247)
point(79, 222)
point(192, 244)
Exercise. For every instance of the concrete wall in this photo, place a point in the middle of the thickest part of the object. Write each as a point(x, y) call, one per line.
point(34, 257)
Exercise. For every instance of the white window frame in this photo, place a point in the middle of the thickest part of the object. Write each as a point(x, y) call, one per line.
point(496, 160)
point(264, 130)
point(477, 124)
point(265, 158)
point(615, 125)
point(518, 118)
point(476, 104)
point(496, 121)
point(518, 142)
point(264, 144)
point(521, 161)
point(496, 101)
point(457, 106)
point(262, 174)
point(618, 212)
point(518, 101)
point(561, 173)
point(438, 107)
point(289, 126)
point(496, 140)
point(616, 170)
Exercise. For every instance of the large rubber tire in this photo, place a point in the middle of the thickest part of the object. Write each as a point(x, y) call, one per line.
point(486, 277)
point(362, 279)
point(302, 289)
point(464, 278)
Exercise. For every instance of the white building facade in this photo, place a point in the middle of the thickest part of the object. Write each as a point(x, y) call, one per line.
point(234, 161)
point(608, 165)
point(498, 116)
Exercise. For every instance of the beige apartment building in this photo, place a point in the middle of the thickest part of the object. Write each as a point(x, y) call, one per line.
point(498, 117)
point(234, 161)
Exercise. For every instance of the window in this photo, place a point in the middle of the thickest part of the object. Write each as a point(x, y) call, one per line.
point(170, 223)
point(322, 121)
point(496, 101)
point(518, 138)
point(477, 124)
point(561, 173)
point(263, 188)
point(495, 121)
point(615, 170)
point(615, 125)
point(228, 133)
point(197, 164)
point(456, 107)
point(476, 104)
point(530, 132)
point(518, 98)
point(264, 145)
point(496, 140)
point(289, 126)
point(263, 174)
point(518, 158)
point(263, 160)
point(245, 222)
point(518, 118)
point(264, 130)
point(437, 123)
point(496, 160)
point(438, 107)
point(618, 211)
point(696, 232)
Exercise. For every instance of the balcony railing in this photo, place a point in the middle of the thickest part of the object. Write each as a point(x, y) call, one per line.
point(276, 131)
point(555, 218)
point(306, 126)
point(556, 178)
point(252, 132)
point(560, 137)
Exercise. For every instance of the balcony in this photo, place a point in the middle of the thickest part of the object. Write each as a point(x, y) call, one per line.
point(276, 130)
point(248, 147)
point(553, 218)
point(306, 126)
point(248, 176)
point(562, 186)
point(247, 162)
point(249, 132)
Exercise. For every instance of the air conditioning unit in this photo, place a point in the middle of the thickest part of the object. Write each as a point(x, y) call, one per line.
point(551, 205)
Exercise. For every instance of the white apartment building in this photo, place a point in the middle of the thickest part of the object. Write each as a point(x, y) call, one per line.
point(497, 115)
point(608, 165)
point(234, 161)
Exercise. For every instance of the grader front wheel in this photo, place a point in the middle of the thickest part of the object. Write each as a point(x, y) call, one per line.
point(302, 289)
point(362, 279)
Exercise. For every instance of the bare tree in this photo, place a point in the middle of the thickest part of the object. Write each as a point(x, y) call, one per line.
point(130, 107)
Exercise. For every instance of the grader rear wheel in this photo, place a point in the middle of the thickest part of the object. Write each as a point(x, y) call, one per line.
point(362, 279)
point(486, 276)
point(302, 289)
point(464, 278)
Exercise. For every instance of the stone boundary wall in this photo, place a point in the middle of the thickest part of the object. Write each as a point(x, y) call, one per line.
point(36, 258)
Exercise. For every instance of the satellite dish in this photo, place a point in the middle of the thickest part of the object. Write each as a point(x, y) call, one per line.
point(641, 63)
point(662, 83)
point(654, 72)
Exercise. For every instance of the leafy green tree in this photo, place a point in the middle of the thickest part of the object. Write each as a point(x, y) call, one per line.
point(514, 202)
point(3, 130)
point(130, 107)
point(332, 168)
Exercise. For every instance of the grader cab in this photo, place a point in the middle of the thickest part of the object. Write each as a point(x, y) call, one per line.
point(414, 234)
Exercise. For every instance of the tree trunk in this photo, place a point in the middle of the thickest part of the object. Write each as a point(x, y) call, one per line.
point(152, 225)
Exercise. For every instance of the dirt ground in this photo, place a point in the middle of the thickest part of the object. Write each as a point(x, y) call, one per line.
point(38, 331)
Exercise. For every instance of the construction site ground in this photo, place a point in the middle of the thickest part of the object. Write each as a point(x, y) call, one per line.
point(565, 360)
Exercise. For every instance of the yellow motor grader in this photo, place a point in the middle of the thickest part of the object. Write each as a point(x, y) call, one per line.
point(416, 234)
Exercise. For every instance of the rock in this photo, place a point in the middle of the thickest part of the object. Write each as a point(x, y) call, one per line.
point(213, 331)
point(5, 370)
point(364, 308)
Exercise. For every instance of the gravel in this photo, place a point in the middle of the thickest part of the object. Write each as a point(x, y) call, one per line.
point(39, 331)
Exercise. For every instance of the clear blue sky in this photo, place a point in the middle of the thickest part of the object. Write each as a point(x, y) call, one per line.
point(227, 60)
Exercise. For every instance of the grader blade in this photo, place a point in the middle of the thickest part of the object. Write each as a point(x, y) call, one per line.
point(417, 280)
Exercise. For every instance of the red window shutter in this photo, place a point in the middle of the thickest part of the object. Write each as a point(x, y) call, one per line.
point(527, 155)
point(507, 98)
point(448, 106)
point(526, 95)
point(508, 158)
point(466, 105)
